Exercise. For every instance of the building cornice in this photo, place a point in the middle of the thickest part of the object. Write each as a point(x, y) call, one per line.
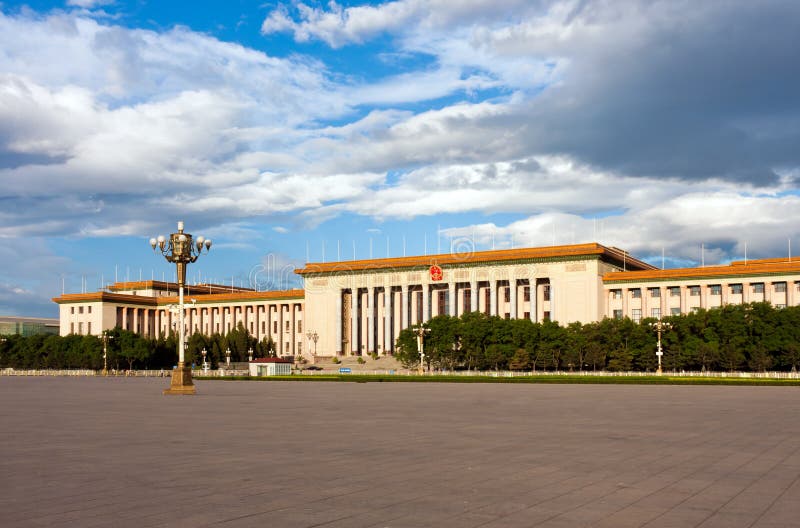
point(481, 258)
point(739, 270)
point(173, 299)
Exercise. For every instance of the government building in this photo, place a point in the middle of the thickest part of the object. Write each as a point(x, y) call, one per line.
point(359, 307)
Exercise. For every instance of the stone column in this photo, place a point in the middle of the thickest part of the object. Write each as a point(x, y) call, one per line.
point(492, 296)
point(404, 306)
point(473, 296)
point(281, 332)
point(534, 299)
point(370, 319)
point(354, 326)
point(387, 321)
point(452, 302)
point(790, 288)
point(512, 283)
point(625, 294)
point(746, 292)
point(426, 302)
point(337, 346)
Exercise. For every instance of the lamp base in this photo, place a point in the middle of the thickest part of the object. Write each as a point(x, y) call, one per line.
point(181, 383)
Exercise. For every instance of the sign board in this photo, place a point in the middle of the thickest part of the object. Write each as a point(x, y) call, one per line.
point(344, 370)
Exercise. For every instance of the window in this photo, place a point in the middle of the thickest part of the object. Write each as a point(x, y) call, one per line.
point(89, 308)
point(546, 292)
point(288, 326)
point(80, 328)
point(507, 315)
point(299, 327)
point(507, 294)
point(263, 327)
point(694, 291)
point(526, 294)
point(674, 311)
point(655, 292)
point(72, 309)
point(636, 315)
point(442, 302)
point(616, 294)
point(758, 287)
point(299, 347)
point(636, 293)
point(546, 315)
point(72, 328)
point(675, 291)
point(274, 327)
point(286, 348)
point(299, 307)
point(467, 299)
point(780, 287)
point(617, 314)
point(655, 313)
point(716, 289)
point(736, 289)
point(89, 327)
point(80, 309)
point(526, 315)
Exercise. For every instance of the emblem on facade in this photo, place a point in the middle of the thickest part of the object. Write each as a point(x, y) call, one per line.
point(436, 273)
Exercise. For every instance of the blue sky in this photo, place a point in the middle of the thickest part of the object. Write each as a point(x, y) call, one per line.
point(280, 128)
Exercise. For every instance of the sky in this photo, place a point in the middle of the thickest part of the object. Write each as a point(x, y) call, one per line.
point(301, 130)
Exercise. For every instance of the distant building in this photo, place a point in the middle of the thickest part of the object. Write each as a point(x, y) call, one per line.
point(359, 307)
point(27, 326)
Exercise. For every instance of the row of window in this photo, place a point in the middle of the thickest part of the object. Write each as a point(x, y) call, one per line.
point(80, 309)
point(713, 289)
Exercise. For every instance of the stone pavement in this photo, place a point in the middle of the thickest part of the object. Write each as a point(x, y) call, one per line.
point(94, 452)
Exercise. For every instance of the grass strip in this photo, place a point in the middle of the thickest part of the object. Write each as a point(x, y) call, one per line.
point(565, 379)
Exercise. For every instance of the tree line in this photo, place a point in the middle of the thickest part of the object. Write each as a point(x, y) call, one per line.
point(749, 337)
point(127, 350)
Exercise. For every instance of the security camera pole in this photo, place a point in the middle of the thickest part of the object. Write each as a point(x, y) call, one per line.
point(180, 250)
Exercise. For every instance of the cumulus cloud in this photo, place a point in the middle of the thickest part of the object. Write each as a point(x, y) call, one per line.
point(675, 123)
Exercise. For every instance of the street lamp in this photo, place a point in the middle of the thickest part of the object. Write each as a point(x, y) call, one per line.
point(250, 354)
point(228, 358)
point(313, 336)
point(181, 250)
point(205, 363)
point(106, 337)
point(660, 326)
point(420, 332)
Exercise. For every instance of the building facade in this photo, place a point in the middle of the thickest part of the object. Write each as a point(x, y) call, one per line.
point(359, 307)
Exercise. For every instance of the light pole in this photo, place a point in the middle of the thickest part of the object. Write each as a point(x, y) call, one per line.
point(250, 354)
point(660, 326)
point(205, 363)
point(106, 337)
point(180, 250)
point(313, 336)
point(228, 358)
point(420, 332)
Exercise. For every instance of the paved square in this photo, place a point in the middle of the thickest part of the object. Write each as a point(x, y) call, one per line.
point(115, 452)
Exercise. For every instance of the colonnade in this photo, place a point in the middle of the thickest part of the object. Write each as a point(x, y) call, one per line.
point(369, 319)
point(283, 322)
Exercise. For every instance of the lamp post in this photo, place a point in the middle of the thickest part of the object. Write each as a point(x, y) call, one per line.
point(313, 337)
point(660, 326)
point(106, 337)
point(205, 363)
point(181, 250)
point(228, 358)
point(250, 354)
point(420, 332)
